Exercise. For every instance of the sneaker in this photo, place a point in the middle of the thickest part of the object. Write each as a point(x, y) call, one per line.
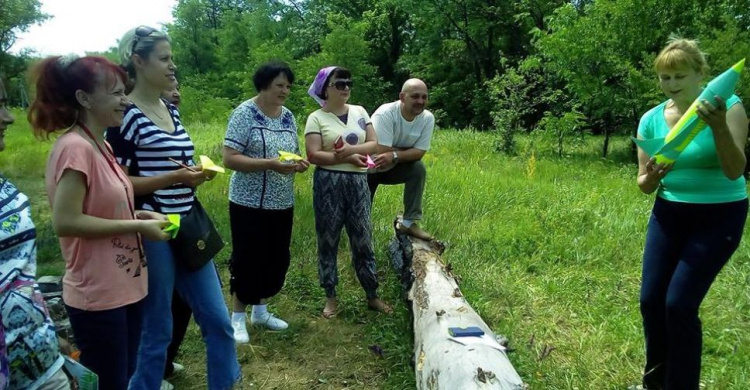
point(240, 332)
point(177, 367)
point(269, 321)
point(166, 385)
point(415, 231)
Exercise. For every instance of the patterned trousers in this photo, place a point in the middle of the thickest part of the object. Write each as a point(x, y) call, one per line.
point(342, 199)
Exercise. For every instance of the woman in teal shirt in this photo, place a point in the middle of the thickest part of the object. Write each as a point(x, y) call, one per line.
point(697, 220)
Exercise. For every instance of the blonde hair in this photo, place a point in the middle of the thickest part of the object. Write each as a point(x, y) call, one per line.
point(679, 53)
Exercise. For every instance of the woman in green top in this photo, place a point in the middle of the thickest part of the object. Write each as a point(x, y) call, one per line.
point(697, 219)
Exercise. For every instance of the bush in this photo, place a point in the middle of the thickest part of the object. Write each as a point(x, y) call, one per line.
point(200, 106)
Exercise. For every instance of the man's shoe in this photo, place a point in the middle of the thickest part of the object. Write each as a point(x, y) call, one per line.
point(166, 385)
point(240, 332)
point(269, 321)
point(415, 231)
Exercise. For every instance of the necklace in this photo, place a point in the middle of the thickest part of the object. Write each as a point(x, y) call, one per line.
point(155, 113)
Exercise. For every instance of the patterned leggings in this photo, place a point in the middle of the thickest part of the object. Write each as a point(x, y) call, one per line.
point(342, 199)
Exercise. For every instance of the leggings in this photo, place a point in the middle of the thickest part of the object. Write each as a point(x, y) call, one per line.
point(687, 244)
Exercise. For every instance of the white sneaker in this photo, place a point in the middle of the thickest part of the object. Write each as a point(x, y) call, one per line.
point(166, 385)
point(269, 321)
point(240, 332)
point(177, 367)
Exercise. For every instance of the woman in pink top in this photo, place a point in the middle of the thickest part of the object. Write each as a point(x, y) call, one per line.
point(92, 212)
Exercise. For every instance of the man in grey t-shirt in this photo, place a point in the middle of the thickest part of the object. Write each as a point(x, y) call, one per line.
point(404, 129)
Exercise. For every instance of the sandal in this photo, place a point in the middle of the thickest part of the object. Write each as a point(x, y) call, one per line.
point(328, 312)
point(378, 304)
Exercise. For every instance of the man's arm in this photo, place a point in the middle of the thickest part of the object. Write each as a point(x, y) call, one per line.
point(404, 154)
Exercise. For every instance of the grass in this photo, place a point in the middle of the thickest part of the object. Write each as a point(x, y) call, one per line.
point(548, 251)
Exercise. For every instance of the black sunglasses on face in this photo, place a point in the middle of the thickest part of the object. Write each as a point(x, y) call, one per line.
point(341, 85)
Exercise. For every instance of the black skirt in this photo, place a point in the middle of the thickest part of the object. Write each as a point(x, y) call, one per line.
point(260, 251)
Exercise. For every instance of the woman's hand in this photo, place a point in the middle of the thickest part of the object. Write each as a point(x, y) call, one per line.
point(192, 177)
point(302, 166)
point(281, 167)
point(715, 117)
point(146, 214)
point(357, 160)
point(344, 151)
point(153, 230)
point(655, 172)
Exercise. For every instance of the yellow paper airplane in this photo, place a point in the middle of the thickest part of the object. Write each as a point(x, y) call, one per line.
point(287, 156)
point(174, 224)
point(209, 165)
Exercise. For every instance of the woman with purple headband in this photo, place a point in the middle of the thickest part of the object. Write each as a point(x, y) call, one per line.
point(339, 137)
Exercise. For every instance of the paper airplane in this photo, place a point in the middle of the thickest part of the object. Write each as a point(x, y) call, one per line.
point(370, 163)
point(174, 224)
point(287, 156)
point(209, 165)
point(667, 149)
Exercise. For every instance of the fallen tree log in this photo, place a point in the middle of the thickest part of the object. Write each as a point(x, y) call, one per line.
point(442, 362)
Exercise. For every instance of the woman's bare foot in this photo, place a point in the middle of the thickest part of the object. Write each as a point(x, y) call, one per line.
point(331, 308)
point(378, 305)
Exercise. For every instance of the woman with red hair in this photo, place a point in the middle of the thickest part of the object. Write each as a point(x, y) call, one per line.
point(92, 212)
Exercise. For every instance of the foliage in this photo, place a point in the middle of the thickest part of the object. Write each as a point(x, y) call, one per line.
point(17, 16)
point(560, 128)
point(514, 96)
point(198, 106)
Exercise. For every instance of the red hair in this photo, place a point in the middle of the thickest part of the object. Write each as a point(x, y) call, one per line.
point(57, 79)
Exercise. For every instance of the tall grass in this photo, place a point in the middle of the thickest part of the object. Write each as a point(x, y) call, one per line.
point(548, 251)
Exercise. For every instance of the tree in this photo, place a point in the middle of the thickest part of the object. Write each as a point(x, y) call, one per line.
point(18, 16)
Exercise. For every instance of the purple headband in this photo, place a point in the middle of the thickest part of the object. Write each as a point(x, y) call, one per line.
point(318, 85)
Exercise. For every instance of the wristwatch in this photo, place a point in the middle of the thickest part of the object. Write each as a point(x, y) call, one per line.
point(395, 157)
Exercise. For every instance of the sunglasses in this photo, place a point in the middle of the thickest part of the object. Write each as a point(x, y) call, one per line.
point(342, 84)
point(142, 32)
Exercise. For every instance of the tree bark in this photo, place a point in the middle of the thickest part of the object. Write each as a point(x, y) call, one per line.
point(437, 304)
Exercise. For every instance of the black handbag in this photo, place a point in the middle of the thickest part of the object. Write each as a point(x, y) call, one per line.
point(197, 241)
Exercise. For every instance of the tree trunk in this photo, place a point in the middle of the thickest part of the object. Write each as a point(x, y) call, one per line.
point(437, 304)
point(605, 147)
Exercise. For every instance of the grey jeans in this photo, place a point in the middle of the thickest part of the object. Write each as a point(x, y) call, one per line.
point(414, 175)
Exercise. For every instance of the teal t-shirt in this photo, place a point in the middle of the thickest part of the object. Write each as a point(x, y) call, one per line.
point(696, 176)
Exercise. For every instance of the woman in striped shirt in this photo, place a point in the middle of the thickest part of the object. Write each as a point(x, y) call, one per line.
point(150, 137)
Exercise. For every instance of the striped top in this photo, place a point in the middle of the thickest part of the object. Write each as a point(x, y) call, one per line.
point(146, 149)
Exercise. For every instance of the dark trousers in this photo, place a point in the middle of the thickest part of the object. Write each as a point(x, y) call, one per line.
point(109, 340)
point(413, 175)
point(687, 244)
point(260, 251)
point(181, 314)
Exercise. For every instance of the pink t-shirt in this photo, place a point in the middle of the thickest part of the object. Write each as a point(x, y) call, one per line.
point(101, 273)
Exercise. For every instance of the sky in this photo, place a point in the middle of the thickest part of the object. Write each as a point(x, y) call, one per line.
point(77, 26)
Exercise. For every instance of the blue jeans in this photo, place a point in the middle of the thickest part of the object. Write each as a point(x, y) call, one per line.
point(687, 244)
point(202, 292)
point(108, 340)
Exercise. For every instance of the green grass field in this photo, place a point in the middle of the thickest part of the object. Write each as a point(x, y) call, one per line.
point(548, 251)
